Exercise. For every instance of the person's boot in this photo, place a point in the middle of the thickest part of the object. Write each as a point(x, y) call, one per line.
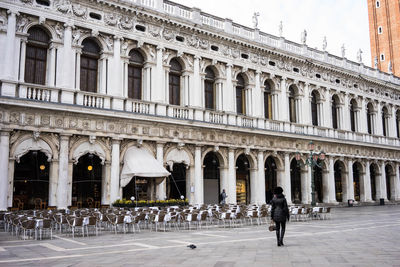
point(278, 239)
point(281, 237)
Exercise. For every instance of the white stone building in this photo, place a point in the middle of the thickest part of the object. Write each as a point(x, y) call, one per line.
point(93, 93)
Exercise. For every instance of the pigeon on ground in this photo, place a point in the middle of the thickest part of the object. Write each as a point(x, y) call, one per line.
point(192, 246)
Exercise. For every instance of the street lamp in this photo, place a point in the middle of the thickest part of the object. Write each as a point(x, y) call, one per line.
point(311, 161)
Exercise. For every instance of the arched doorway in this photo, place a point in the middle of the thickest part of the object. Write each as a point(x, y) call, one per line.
point(338, 170)
point(176, 182)
point(373, 172)
point(295, 181)
point(211, 178)
point(356, 180)
point(31, 181)
point(270, 178)
point(388, 175)
point(318, 186)
point(242, 180)
point(86, 181)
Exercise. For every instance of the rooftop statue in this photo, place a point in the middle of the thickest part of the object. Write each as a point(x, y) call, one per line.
point(255, 19)
point(304, 37)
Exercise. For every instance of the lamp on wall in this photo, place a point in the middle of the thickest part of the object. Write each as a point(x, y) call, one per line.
point(312, 161)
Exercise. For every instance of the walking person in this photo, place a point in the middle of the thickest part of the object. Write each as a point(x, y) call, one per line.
point(279, 214)
point(223, 196)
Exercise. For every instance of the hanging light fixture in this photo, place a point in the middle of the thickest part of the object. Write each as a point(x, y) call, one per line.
point(42, 167)
point(311, 146)
point(90, 167)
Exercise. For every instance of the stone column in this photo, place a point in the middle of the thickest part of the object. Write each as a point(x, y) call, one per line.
point(8, 89)
point(378, 183)
point(9, 52)
point(67, 60)
point(307, 105)
point(198, 178)
point(275, 106)
point(392, 131)
point(363, 128)
point(219, 95)
point(257, 97)
point(125, 86)
point(397, 181)
point(161, 189)
point(383, 181)
point(53, 181)
point(346, 114)
point(51, 73)
point(197, 94)
point(325, 185)
point(105, 183)
point(284, 109)
point(115, 166)
point(115, 71)
point(286, 179)
point(103, 66)
point(64, 187)
point(350, 180)
point(146, 83)
point(22, 60)
point(230, 98)
point(254, 187)
point(331, 182)
point(326, 117)
point(379, 128)
point(159, 94)
point(362, 187)
point(305, 175)
point(261, 178)
point(4, 156)
point(78, 53)
point(231, 190)
point(248, 100)
point(367, 183)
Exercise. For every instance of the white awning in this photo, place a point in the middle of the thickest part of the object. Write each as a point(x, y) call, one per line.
point(139, 162)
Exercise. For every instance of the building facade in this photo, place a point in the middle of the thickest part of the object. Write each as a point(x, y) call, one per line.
point(384, 32)
point(95, 94)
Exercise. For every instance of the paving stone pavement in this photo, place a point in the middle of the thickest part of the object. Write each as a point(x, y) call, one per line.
point(357, 236)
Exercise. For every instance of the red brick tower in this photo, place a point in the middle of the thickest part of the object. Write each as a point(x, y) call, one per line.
point(384, 32)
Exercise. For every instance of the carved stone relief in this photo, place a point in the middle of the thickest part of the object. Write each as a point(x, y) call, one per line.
point(3, 20)
point(126, 23)
point(79, 11)
point(22, 21)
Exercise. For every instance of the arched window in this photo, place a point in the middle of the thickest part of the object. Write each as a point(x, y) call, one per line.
point(267, 101)
point(209, 94)
point(175, 73)
point(240, 95)
point(292, 105)
point(398, 123)
point(385, 117)
point(314, 108)
point(135, 74)
point(335, 112)
point(370, 113)
point(353, 107)
point(36, 56)
point(89, 65)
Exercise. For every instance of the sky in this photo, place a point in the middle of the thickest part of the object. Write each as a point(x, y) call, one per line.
point(341, 21)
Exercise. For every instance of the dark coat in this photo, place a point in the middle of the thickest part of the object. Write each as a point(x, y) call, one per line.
point(279, 210)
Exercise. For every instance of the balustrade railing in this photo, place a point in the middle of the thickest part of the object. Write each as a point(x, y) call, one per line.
point(106, 102)
point(214, 117)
